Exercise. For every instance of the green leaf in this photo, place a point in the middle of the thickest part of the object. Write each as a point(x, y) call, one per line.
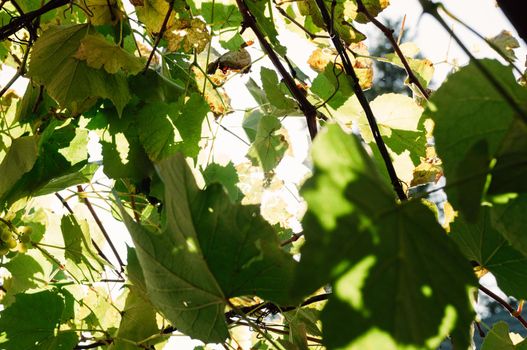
point(374, 7)
point(270, 143)
point(499, 339)
point(71, 82)
point(226, 176)
point(26, 273)
point(333, 86)
point(100, 12)
point(167, 128)
point(99, 53)
point(471, 120)
point(160, 88)
point(221, 16)
point(275, 90)
point(510, 170)
point(138, 322)
point(510, 220)
point(20, 158)
point(262, 12)
point(361, 240)
point(31, 322)
point(51, 164)
point(82, 260)
point(209, 250)
point(506, 43)
point(423, 69)
point(152, 13)
point(482, 243)
point(79, 177)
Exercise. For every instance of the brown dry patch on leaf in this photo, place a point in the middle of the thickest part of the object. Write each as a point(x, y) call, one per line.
point(188, 35)
point(219, 102)
point(363, 66)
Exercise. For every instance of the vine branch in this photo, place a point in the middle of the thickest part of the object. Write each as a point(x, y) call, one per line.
point(306, 107)
point(431, 8)
point(505, 304)
point(24, 20)
point(160, 34)
point(388, 33)
point(348, 68)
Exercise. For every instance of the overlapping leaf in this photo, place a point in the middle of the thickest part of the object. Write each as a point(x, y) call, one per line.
point(499, 338)
point(390, 290)
point(99, 53)
point(32, 321)
point(209, 250)
point(482, 243)
point(471, 120)
point(270, 143)
point(71, 82)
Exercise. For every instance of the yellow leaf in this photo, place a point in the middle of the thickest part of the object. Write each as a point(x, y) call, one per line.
point(187, 34)
point(101, 12)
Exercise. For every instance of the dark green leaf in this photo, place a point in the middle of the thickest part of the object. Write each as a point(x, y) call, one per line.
point(391, 289)
point(482, 243)
point(31, 322)
point(333, 86)
point(210, 250)
point(226, 176)
point(510, 220)
point(471, 119)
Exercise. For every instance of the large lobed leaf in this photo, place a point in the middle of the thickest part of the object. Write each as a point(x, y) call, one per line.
point(209, 250)
point(471, 120)
point(70, 81)
point(398, 281)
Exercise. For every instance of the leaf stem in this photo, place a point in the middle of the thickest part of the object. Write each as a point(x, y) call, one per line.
point(431, 8)
point(103, 230)
point(160, 34)
point(348, 68)
point(505, 304)
point(388, 33)
point(306, 107)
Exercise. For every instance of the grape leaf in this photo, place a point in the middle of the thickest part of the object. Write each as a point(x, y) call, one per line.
point(510, 170)
point(26, 273)
point(361, 240)
point(71, 82)
point(166, 128)
point(152, 14)
point(374, 7)
point(100, 12)
point(98, 53)
point(482, 243)
point(20, 158)
point(209, 250)
point(226, 176)
point(275, 90)
point(189, 35)
point(509, 219)
point(82, 260)
point(270, 143)
point(506, 43)
point(138, 322)
point(499, 339)
point(333, 86)
point(31, 322)
point(471, 119)
point(423, 69)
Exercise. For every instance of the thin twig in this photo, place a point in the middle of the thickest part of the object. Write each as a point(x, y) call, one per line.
point(306, 107)
point(22, 21)
point(431, 8)
point(160, 34)
point(505, 304)
point(388, 33)
point(294, 21)
point(19, 72)
point(348, 68)
point(102, 228)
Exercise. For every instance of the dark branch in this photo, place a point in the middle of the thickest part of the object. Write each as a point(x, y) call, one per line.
point(505, 304)
point(160, 34)
point(25, 20)
point(102, 228)
point(431, 8)
point(388, 33)
point(348, 68)
point(306, 107)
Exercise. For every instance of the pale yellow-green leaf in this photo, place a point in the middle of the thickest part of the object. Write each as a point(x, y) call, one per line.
point(100, 12)
point(99, 53)
point(392, 111)
point(152, 13)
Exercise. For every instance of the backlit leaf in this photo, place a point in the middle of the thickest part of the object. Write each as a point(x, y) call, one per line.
point(71, 82)
point(209, 251)
point(99, 53)
point(364, 243)
point(270, 143)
